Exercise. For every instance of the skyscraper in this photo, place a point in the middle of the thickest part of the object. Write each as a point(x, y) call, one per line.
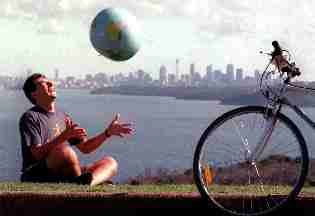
point(192, 73)
point(217, 76)
point(56, 75)
point(230, 72)
point(239, 74)
point(177, 70)
point(209, 73)
point(192, 69)
point(163, 75)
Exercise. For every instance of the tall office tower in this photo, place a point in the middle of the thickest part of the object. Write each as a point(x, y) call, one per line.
point(56, 75)
point(209, 73)
point(192, 73)
point(239, 74)
point(131, 76)
point(163, 75)
point(230, 72)
point(192, 69)
point(171, 79)
point(177, 70)
point(217, 75)
point(186, 79)
point(140, 75)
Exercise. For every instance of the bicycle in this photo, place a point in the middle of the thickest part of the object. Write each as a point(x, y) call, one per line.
point(256, 154)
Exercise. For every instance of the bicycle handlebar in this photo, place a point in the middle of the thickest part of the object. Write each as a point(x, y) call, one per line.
point(277, 49)
point(288, 67)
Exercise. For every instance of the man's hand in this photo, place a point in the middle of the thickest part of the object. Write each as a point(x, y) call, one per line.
point(74, 131)
point(116, 128)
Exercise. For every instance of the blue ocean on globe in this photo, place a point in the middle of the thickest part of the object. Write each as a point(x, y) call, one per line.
point(114, 34)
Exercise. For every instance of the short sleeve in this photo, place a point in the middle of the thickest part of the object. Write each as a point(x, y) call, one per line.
point(29, 130)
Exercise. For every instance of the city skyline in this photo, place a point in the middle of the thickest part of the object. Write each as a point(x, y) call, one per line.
point(55, 34)
point(232, 75)
point(230, 68)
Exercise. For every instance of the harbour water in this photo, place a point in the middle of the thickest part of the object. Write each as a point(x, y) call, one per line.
point(166, 129)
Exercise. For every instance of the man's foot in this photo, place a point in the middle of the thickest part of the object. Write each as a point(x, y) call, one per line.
point(84, 179)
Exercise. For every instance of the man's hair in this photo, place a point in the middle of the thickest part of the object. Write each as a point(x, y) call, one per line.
point(30, 86)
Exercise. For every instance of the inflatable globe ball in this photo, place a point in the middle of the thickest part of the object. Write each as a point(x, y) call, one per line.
point(114, 34)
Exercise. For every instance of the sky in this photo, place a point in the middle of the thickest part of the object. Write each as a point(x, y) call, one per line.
point(47, 35)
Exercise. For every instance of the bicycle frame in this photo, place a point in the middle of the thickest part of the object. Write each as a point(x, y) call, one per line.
point(271, 119)
point(299, 112)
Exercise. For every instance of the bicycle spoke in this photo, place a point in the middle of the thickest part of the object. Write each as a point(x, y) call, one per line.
point(225, 144)
point(285, 146)
point(243, 139)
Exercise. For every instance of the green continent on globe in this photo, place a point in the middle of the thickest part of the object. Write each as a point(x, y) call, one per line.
point(114, 30)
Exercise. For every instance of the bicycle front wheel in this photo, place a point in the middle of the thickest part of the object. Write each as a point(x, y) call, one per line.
point(227, 177)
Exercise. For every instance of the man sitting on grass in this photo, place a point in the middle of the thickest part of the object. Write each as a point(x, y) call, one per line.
point(48, 135)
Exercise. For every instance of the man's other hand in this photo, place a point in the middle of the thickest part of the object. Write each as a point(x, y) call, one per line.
point(117, 128)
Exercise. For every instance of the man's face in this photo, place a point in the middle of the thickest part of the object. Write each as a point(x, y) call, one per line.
point(45, 90)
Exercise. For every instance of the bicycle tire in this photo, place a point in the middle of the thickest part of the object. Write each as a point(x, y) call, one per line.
point(241, 200)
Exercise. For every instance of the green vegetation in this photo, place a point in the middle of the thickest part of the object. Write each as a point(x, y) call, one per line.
point(308, 189)
point(62, 187)
point(125, 188)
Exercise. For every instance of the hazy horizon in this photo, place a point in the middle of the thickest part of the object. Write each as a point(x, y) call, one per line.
point(49, 35)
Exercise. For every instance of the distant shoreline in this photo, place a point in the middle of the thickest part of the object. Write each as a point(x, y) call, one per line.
point(187, 93)
point(227, 95)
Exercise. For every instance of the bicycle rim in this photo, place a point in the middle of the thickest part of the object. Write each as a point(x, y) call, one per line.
point(224, 175)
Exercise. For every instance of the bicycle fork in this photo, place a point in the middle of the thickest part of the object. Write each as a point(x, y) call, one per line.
point(271, 118)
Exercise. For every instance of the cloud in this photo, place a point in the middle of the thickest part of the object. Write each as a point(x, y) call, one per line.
point(250, 23)
point(51, 26)
point(152, 6)
point(215, 18)
point(57, 8)
point(12, 10)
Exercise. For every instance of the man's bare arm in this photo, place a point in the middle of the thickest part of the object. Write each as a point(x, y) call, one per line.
point(40, 151)
point(114, 129)
point(91, 144)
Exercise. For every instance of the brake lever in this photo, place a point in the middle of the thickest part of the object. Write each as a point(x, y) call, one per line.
point(262, 52)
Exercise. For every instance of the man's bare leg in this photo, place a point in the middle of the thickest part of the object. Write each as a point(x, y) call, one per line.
point(102, 170)
point(63, 160)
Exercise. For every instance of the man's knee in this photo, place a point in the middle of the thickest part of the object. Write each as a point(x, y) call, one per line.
point(111, 162)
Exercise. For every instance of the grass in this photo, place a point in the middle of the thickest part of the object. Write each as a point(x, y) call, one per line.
point(256, 189)
point(63, 187)
point(121, 188)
